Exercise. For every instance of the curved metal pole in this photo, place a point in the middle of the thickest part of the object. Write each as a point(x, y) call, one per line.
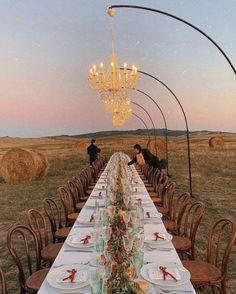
point(164, 119)
point(183, 21)
point(137, 116)
point(186, 124)
point(154, 128)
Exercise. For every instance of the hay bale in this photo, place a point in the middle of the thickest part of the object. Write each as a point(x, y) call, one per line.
point(160, 144)
point(42, 167)
point(216, 142)
point(20, 165)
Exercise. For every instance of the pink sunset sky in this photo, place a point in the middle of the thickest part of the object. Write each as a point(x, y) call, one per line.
point(47, 48)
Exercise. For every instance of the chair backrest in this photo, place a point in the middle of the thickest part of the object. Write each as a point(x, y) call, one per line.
point(167, 197)
point(155, 178)
point(179, 206)
point(54, 215)
point(221, 239)
point(191, 220)
point(3, 287)
point(75, 193)
point(23, 246)
point(161, 184)
point(67, 202)
point(38, 224)
point(80, 187)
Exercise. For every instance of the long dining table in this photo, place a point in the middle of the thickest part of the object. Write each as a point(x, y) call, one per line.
point(70, 256)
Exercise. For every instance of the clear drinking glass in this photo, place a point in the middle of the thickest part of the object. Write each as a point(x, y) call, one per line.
point(137, 259)
point(95, 280)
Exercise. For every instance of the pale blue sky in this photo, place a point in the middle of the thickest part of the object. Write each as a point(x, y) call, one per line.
point(48, 46)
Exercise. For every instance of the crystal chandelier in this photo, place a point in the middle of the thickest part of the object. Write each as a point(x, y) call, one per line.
point(113, 84)
point(121, 114)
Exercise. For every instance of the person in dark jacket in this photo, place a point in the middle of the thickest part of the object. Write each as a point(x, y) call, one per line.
point(149, 158)
point(93, 151)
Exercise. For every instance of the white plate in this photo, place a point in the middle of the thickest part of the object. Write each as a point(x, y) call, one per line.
point(85, 221)
point(91, 202)
point(55, 272)
point(167, 284)
point(69, 241)
point(159, 241)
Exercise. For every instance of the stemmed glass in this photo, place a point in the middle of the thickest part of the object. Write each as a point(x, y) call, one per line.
point(127, 217)
point(126, 200)
point(128, 240)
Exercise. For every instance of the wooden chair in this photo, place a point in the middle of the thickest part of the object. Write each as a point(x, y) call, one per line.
point(76, 191)
point(67, 203)
point(213, 271)
point(59, 232)
point(167, 198)
point(81, 188)
point(3, 287)
point(176, 213)
point(184, 243)
point(38, 224)
point(24, 248)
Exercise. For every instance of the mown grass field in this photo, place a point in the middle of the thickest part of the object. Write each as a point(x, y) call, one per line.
point(213, 172)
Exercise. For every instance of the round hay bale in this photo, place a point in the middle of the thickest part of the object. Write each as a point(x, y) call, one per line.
point(20, 165)
point(42, 167)
point(160, 144)
point(216, 142)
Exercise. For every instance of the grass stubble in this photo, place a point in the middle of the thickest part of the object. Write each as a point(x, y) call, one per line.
point(213, 177)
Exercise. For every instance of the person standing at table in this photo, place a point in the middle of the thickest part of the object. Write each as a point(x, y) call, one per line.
point(93, 151)
point(144, 156)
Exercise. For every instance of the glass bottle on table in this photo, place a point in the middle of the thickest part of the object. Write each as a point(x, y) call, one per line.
point(140, 214)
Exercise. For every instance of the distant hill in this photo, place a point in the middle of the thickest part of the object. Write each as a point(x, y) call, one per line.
point(139, 132)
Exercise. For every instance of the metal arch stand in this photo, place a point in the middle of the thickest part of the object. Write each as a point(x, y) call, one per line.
point(165, 123)
point(154, 128)
point(137, 116)
point(183, 21)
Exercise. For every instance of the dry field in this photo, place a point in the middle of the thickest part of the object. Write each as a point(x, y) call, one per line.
point(214, 174)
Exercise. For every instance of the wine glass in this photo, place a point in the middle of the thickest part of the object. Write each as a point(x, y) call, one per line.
point(127, 217)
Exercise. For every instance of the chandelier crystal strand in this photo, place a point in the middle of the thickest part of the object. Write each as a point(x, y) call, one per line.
point(113, 84)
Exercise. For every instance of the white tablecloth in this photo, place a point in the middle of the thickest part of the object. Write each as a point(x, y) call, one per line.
point(69, 257)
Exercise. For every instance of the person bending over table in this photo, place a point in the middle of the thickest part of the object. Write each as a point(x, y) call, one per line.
point(144, 156)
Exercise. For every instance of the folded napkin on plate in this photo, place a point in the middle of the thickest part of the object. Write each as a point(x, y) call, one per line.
point(100, 187)
point(157, 274)
point(82, 239)
point(149, 214)
point(86, 220)
point(153, 236)
point(79, 276)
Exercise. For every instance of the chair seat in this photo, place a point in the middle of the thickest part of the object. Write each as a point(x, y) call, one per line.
point(162, 210)
point(72, 216)
point(202, 272)
point(150, 189)
point(62, 233)
point(79, 205)
point(35, 281)
point(156, 200)
point(181, 243)
point(50, 252)
point(153, 194)
point(170, 225)
point(88, 192)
